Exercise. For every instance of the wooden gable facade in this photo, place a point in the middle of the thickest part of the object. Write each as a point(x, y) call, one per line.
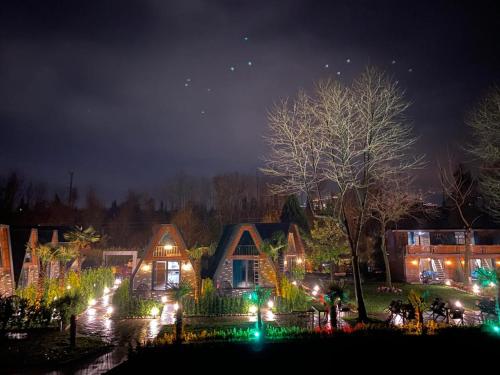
point(164, 265)
point(7, 283)
point(239, 263)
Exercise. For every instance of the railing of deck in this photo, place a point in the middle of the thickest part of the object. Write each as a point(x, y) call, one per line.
point(166, 251)
point(451, 249)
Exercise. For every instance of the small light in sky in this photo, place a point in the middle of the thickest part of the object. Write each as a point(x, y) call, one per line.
point(209, 89)
point(245, 38)
point(188, 79)
point(393, 62)
point(249, 63)
point(202, 111)
point(348, 61)
point(186, 84)
point(410, 70)
point(327, 66)
point(231, 68)
point(338, 73)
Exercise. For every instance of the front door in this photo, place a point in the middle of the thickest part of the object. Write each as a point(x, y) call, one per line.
point(174, 274)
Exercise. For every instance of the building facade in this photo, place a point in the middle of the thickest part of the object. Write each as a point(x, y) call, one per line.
point(432, 255)
point(164, 265)
point(239, 264)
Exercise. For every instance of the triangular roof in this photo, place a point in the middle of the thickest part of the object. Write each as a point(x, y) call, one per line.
point(259, 231)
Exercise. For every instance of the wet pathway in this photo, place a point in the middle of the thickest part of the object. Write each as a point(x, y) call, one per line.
point(121, 333)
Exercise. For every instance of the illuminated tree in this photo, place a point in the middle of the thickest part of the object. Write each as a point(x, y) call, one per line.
point(490, 277)
point(81, 239)
point(485, 123)
point(196, 255)
point(273, 248)
point(351, 137)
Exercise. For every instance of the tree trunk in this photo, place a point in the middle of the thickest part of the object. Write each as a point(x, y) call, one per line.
point(333, 314)
point(179, 326)
point(259, 319)
point(467, 256)
point(388, 279)
point(362, 316)
point(62, 274)
point(40, 282)
point(332, 271)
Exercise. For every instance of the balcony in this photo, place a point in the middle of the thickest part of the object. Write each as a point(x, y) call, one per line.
point(451, 249)
point(246, 250)
point(166, 251)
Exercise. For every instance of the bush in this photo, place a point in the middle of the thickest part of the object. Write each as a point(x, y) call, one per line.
point(212, 304)
point(292, 298)
point(18, 313)
point(130, 306)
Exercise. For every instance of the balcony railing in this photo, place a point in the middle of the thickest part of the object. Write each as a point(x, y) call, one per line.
point(452, 249)
point(246, 250)
point(162, 251)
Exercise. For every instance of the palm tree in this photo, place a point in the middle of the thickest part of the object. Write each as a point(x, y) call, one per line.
point(259, 296)
point(195, 255)
point(180, 291)
point(335, 293)
point(82, 239)
point(63, 254)
point(45, 255)
point(273, 249)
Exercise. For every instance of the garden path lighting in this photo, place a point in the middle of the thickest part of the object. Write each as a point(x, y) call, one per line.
point(294, 283)
point(106, 290)
point(314, 292)
point(492, 284)
point(91, 312)
point(118, 281)
point(92, 302)
point(163, 299)
point(316, 287)
point(176, 306)
point(476, 289)
point(270, 304)
point(458, 304)
point(68, 287)
point(252, 309)
point(447, 282)
point(109, 310)
point(155, 311)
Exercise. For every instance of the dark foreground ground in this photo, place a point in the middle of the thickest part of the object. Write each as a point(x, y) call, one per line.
point(382, 352)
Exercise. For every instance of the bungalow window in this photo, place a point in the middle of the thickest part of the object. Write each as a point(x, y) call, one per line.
point(243, 273)
point(166, 275)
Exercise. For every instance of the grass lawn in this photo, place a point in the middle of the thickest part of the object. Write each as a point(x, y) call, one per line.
point(376, 302)
point(47, 348)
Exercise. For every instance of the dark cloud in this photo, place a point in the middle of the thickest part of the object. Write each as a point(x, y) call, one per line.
point(98, 87)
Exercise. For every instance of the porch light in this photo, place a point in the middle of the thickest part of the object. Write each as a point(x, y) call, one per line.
point(168, 247)
point(448, 262)
point(146, 267)
point(270, 304)
point(414, 262)
point(155, 311)
point(476, 289)
point(252, 309)
point(299, 260)
point(163, 299)
point(187, 266)
point(176, 306)
point(447, 282)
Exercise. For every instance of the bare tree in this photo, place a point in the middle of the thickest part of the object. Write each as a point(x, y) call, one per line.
point(485, 123)
point(360, 138)
point(458, 188)
point(389, 203)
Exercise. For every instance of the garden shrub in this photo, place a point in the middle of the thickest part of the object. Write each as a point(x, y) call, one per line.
point(212, 304)
point(292, 298)
point(127, 305)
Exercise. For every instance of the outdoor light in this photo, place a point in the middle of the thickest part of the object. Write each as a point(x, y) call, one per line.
point(270, 304)
point(252, 309)
point(168, 247)
point(314, 292)
point(176, 306)
point(68, 287)
point(414, 262)
point(55, 298)
point(476, 289)
point(155, 311)
point(109, 310)
point(106, 290)
point(118, 281)
point(285, 262)
point(316, 287)
point(91, 312)
point(163, 299)
point(294, 282)
point(299, 260)
point(146, 267)
point(447, 282)
point(458, 304)
point(92, 302)
point(492, 284)
point(498, 262)
point(448, 262)
point(187, 266)
point(105, 300)
point(256, 334)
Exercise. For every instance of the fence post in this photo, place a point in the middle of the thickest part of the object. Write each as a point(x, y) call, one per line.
point(72, 331)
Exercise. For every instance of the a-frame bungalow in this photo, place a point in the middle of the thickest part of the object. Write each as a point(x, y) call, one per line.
point(164, 265)
point(239, 264)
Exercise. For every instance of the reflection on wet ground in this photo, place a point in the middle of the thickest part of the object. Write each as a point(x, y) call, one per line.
point(121, 333)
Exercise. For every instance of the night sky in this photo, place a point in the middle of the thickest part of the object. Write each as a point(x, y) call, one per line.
point(127, 93)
